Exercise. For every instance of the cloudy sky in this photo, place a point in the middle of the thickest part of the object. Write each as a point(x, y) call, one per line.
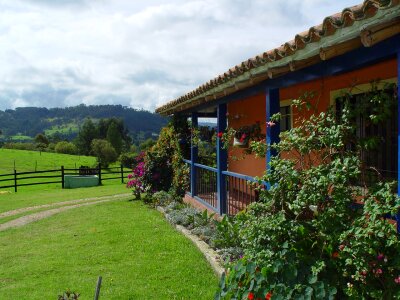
point(56, 53)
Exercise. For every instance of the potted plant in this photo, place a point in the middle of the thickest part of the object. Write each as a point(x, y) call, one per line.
point(246, 133)
point(242, 136)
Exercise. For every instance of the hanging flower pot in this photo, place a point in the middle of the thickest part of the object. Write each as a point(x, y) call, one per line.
point(237, 142)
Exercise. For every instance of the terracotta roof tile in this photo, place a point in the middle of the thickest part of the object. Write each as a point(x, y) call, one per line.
point(329, 26)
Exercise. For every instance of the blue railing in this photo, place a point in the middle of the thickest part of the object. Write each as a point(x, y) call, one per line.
point(205, 189)
point(241, 191)
point(206, 185)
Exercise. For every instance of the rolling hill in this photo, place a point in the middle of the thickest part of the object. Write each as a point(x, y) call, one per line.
point(65, 122)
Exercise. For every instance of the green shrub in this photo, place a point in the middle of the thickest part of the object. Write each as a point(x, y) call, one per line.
point(20, 146)
point(184, 217)
point(104, 152)
point(305, 238)
point(66, 148)
point(128, 160)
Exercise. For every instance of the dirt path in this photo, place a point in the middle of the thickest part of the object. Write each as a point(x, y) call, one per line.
point(21, 221)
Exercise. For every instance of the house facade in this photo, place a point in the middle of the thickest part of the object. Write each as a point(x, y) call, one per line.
point(348, 51)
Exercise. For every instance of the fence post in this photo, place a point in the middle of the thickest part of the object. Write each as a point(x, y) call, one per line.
point(122, 174)
point(62, 177)
point(99, 169)
point(97, 291)
point(15, 180)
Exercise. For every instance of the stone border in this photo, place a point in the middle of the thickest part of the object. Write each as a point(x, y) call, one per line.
point(209, 253)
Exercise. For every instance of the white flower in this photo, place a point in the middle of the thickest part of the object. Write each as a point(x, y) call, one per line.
point(314, 209)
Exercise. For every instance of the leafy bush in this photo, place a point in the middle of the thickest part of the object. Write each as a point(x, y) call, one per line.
point(227, 232)
point(165, 169)
point(205, 232)
point(162, 198)
point(230, 254)
point(104, 152)
point(136, 180)
point(66, 148)
point(128, 160)
point(175, 205)
point(306, 239)
point(20, 146)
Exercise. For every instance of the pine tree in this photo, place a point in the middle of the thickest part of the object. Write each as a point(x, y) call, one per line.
point(114, 137)
point(86, 135)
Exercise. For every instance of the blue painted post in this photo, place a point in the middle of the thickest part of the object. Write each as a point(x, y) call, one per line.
point(398, 137)
point(193, 156)
point(272, 132)
point(222, 161)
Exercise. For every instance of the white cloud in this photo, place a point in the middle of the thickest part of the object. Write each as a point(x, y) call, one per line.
point(136, 53)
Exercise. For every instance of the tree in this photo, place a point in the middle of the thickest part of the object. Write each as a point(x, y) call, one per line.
point(41, 142)
point(114, 137)
point(104, 152)
point(147, 144)
point(85, 137)
point(41, 139)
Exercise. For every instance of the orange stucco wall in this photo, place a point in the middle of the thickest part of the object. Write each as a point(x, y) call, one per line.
point(247, 111)
point(241, 113)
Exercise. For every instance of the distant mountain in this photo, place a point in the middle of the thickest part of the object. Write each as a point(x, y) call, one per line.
point(65, 122)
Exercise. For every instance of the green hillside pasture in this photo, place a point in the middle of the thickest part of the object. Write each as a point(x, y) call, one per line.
point(63, 129)
point(21, 138)
point(138, 254)
point(29, 161)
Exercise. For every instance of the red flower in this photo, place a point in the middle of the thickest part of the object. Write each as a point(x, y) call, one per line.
point(335, 254)
point(341, 247)
point(220, 134)
point(268, 296)
point(397, 280)
point(250, 296)
point(380, 256)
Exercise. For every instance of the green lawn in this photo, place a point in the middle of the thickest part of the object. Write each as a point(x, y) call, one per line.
point(139, 255)
point(27, 198)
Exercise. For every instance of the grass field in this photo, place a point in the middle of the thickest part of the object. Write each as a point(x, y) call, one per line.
point(26, 198)
point(138, 254)
point(29, 161)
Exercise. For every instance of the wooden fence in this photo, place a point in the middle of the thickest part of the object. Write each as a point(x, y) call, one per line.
point(56, 176)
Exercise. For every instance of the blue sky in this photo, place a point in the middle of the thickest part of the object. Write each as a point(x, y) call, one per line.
point(57, 53)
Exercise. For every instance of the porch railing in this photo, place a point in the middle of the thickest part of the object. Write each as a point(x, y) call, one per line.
point(241, 191)
point(206, 184)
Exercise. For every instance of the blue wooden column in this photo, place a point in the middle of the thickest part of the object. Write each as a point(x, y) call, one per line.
point(398, 136)
point(222, 161)
point(194, 153)
point(272, 132)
